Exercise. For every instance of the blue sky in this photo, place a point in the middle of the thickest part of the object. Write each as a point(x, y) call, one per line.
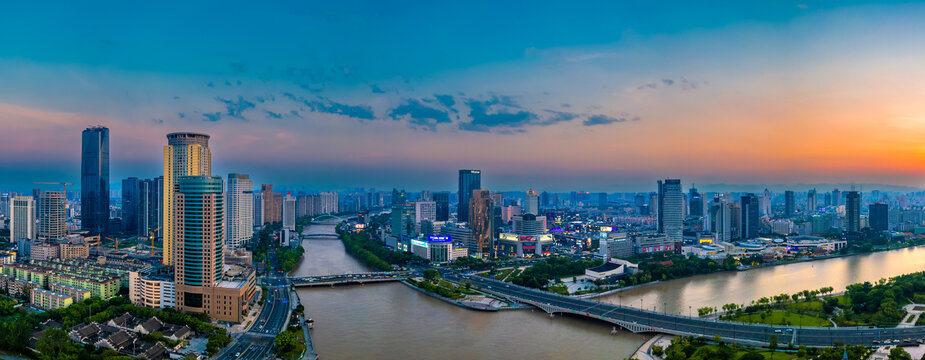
point(597, 95)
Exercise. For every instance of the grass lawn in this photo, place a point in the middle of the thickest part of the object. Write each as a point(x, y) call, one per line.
point(783, 318)
point(766, 353)
point(806, 307)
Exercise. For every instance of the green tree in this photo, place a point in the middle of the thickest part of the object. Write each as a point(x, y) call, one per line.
point(657, 350)
point(431, 275)
point(772, 344)
point(54, 344)
point(899, 353)
point(285, 342)
point(752, 355)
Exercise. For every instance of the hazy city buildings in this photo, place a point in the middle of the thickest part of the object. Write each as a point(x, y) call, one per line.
point(239, 210)
point(811, 201)
point(695, 203)
point(94, 179)
point(671, 209)
point(52, 218)
point(186, 154)
point(469, 181)
point(442, 200)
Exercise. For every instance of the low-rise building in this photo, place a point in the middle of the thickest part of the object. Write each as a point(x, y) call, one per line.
point(516, 245)
point(152, 290)
point(7, 257)
point(650, 243)
point(78, 293)
point(612, 268)
point(44, 250)
point(49, 300)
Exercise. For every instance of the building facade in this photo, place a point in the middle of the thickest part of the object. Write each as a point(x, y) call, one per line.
point(51, 215)
point(469, 181)
point(22, 218)
point(94, 179)
point(853, 211)
point(481, 221)
point(186, 154)
point(671, 209)
point(239, 210)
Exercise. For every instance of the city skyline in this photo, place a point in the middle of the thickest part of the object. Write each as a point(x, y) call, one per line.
point(781, 93)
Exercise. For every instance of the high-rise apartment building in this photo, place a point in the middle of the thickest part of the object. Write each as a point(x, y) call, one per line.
point(272, 204)
point(22, 218)
point(853, 211)
point(403, 220)
point(288, 215)
point(442, 199)
point(671, 209)
point(239, 210)
point(789, 204)
point(186, 154)
point(469, 180)
point(879, 216)
point(51, 215)
point(94, 179)
point(749, 217)
point(531, 203)
point(720, 220)
point(481, 219)
point(130, 204)
point(258, 209)
point(425, 211)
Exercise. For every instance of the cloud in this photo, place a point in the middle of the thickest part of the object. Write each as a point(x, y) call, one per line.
point(418, 114)
point(647, 86)
point(181, 115)
point(376, 89)
point(554, 117)
point(210, 84)
point(362, 112)
point(236, 108)
point(446, 100)
point(238, 67)
point(668, 82)
point(498, 111)
point(681, 82)
point(274, 115)
point(604, 120)
point(290, 96)
point(212, 117)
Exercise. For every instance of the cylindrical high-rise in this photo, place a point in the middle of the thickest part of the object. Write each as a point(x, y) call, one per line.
point(186, 154)
point(94, 179)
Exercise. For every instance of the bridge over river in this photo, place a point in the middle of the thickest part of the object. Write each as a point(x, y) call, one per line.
point(349, 279)
point(639, 321)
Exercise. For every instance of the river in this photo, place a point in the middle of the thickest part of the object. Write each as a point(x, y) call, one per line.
point(684, 296)
point(392, 321)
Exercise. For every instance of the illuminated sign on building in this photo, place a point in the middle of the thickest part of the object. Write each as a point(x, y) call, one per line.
point(706, 241)
point(419, 243)
point(607, 228)
point(439, 238)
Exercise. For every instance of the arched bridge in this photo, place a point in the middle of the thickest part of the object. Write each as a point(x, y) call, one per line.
point(348, 279)
point(637, 320)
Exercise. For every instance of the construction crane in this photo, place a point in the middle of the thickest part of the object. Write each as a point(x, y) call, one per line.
point(64, 184)
point(116, 240)
point(151, 235)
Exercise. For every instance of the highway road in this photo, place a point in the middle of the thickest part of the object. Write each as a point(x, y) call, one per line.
point(651, 321)
point(257, 342)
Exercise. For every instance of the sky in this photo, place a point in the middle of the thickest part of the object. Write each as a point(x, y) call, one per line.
point(597, 96)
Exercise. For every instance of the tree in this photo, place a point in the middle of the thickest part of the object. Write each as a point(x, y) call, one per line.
point(752, 355)
point(657, 350)
point(55, 344)
point(431, 275)
point(899, 353)
point(285, 342)
point(772, 344)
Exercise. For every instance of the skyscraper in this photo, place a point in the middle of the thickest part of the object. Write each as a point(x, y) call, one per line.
point(199, 234)
point(51, 215)
point(94, 179)
point(789, 204)
point(811, 202)
point(22, 218)
point(671, 209)
point(695, 202)
point(288, 215)
point(481, 216)
point(258, 209)
point(853, 211)
point(403, 220)
point(749, 207)
point(879, 216)
point(131, 187)
point(239, 210)
point(469, 180)
point(836, 197)
point(186, 154)
point(150, 197)
point(443, 205)
point(720, 220)
point(531, 203)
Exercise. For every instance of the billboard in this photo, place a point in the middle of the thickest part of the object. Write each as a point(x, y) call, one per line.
point(439, 238)
point(418, 243)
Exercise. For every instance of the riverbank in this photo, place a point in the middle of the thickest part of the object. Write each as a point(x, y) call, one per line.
point(472, 305)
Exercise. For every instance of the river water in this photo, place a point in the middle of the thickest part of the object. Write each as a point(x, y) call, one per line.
point(392, 321)
point(684, 296)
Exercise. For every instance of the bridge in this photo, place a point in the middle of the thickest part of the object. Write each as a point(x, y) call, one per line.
point(348, 279)
point(642, 321)
point(313, 236)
